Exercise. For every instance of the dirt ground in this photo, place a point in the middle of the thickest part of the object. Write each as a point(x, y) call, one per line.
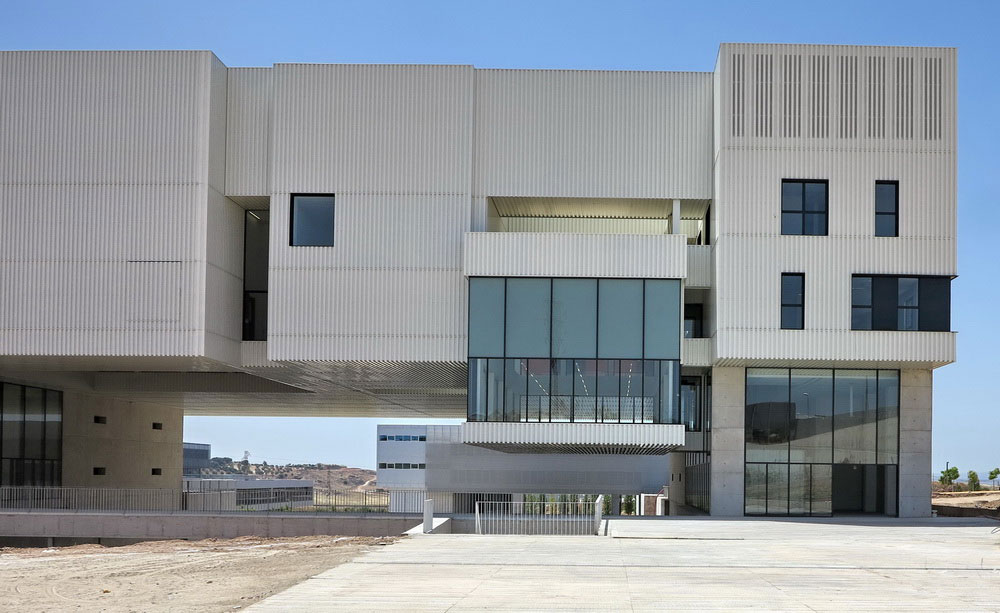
point(980, 500)
point(208, 575)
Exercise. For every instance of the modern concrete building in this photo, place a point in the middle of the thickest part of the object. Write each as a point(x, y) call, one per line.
point(744, 272)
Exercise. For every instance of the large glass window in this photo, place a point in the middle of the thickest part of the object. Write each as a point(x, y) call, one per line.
point(886, 208)
point(256, 238)
point(802, 422)
point(486, 316)
point(662, 314)
point(884, 302)
point(31, 443)
point(574, 318)
point(312, 217)
point(528, 305)
point(804, 206)
point(620, 318)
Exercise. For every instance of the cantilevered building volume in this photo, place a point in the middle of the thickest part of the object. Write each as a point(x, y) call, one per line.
point(738, 279)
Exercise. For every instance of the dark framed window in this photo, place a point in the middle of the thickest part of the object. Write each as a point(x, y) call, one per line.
point(312, 220)
point(793, 300)
point(156, 472)
point(256, 240)
point(100, 470)
point(693, 321)
point(804, 207)
point(157, 425)
point(912, 303)
point(887, 208)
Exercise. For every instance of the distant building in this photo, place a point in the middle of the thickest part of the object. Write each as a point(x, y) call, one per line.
point(197, 457)
point(252, 494)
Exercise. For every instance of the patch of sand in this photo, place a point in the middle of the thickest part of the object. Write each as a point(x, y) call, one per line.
point(208, 575)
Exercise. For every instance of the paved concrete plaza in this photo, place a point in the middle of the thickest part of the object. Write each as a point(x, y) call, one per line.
point(836, 564)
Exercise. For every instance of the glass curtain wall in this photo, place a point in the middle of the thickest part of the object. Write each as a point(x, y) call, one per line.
point(590, 350)
point(30, 436)
point(801, 422)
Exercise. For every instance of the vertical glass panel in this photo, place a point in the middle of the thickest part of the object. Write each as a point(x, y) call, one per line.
point(767, 415)
point(861, 318)
point(670, 392)
point(822, 489)
point(607, 390)
point(561, 397)
point(861, 291)
point(814, 224)
point(885, 197)
point(791, 223)
point(585, 390)
point(792, 289)
point(651, 392)
point(631, 391)
point(528, 305)
point(755, 489)
point(486, 311)
point(515, 390)
point(574, 318)
point(885, 225)
point(494, 390)
point(907, 319)
point(619, 326)
point(312, 221)
point(799, 483)
point(690, 402)
point(53, 424)
point(662, 319)
point(777, 489)
point(812, 425)
point(888, 416)
point(854, 417)
point(34, 422)
point(477, 389)
point(908, 290)
point(891, 489)
point(13, 420)
point(538, 390)
point(791, 318)
point(815, 197)
point(791, 196)
point(256, 238)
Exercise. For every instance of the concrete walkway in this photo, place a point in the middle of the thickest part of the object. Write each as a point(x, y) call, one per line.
point(676, 564)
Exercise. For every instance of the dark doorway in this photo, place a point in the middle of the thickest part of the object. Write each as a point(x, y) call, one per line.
point(864, 488)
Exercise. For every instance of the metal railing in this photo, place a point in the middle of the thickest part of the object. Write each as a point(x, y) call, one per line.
point(577, 517)
point(235, 500)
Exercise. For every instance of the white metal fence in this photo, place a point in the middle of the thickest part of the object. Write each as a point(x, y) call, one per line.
point(578, 517)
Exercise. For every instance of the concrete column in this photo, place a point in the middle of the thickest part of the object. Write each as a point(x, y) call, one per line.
point(726, 488)
point(675, 218)
point(915, 403)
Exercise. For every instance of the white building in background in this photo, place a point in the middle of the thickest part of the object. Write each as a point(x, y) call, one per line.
point(744, 272)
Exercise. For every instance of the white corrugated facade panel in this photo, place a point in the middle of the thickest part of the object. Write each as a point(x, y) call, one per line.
point(699, 266)
point(559, 254)
point(599, 134)
point(851, 116)
point(248, 169)
point(392, 143)
point(104, 167)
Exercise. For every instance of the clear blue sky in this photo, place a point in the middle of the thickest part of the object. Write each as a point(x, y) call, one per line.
point(663, 35)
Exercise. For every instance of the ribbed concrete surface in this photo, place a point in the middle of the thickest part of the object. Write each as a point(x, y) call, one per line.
point(847, 564)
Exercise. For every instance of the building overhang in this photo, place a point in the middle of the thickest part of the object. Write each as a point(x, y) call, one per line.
point(576, 438)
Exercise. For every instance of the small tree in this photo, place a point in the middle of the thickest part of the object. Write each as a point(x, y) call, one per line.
point(949, 475)
point(973, 481)
point(993, 476)
point(628, 505)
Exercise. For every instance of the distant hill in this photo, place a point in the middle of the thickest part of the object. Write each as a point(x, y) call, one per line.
point(326, 476)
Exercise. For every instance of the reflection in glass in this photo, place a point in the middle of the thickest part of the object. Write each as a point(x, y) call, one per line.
point(527, 328)
point(515, 389)
point(585, 390)
point(651, 392)
point(486, 299)
point(777, 489)
point(562, 390)
point(607, 390)
point(812, 423)
point(537, 405)
point(691, 403)
point(822, 489)
point(13, 421)
point(34, 422)
point(888, 417)
point(755, 489)
point(631, 391)
point(798, 489)
point(53, 426)
point(670, 392)
point(854, 420)
point(477, 389)
point(767, 415)
point(661, 338)
point(312, 221)
point(494, 390)
point(619, 313)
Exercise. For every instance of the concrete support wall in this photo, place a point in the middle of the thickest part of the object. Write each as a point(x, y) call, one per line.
point(126, 446)
point(915, 402)
point(726, 487)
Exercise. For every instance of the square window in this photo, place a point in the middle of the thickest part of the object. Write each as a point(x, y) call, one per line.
point(156, 472)
point(804, 207)
point(100, 470)
point(861, 291)
point(791, 318)
point(791, 223)
point(381, 464)
point(907, 319)
point(312, 220)
point(100, 419)
point(423, 438)
point(885, 225)
point(382, 437)
point(157, 425)
point(861, 318)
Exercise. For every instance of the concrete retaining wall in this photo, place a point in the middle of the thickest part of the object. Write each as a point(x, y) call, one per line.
point(194, 526)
